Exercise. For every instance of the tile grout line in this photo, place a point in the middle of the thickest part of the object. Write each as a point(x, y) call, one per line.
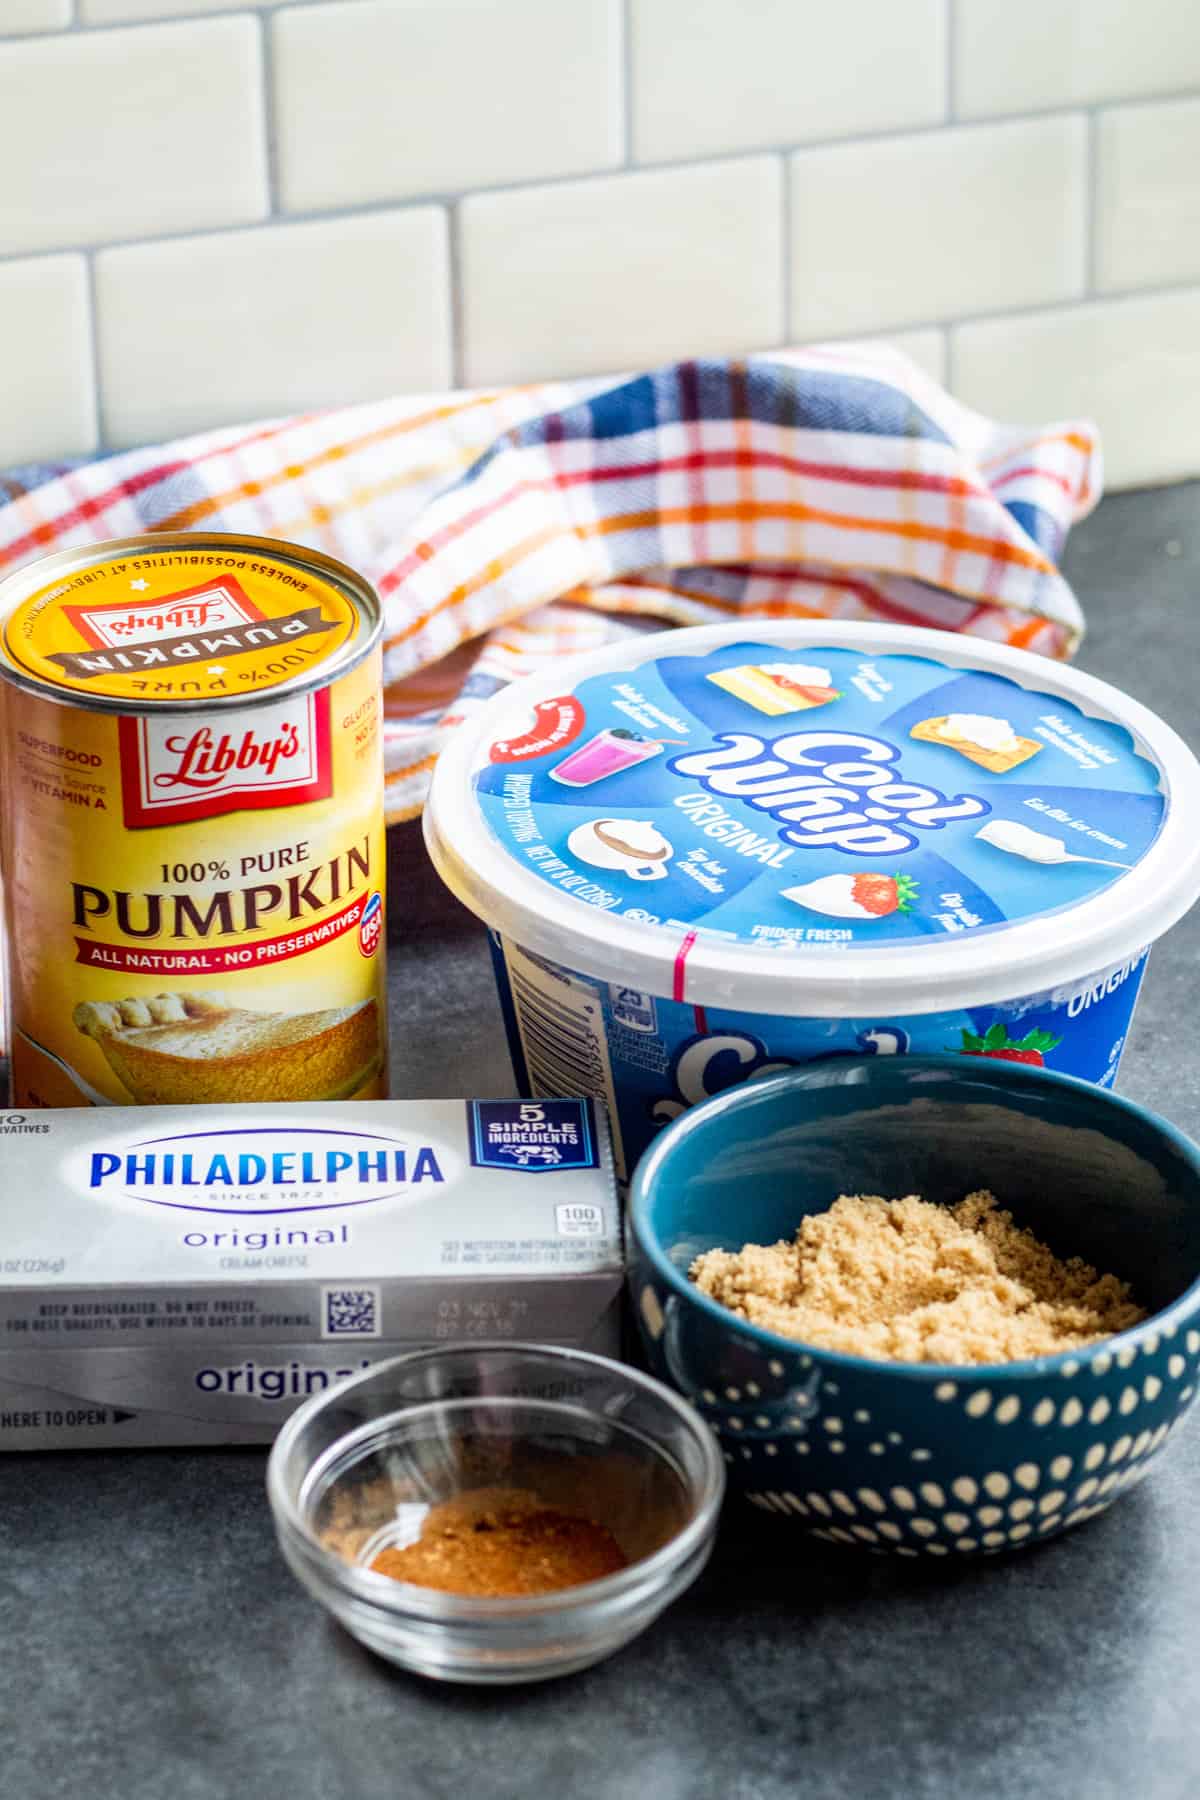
point(454, 299)
point(946, 330)
point(77, 26)
point(266, 88)
point(76, 23)
point(785, 273)
point(625, 82)
point(1091, 210)
point(93, 326)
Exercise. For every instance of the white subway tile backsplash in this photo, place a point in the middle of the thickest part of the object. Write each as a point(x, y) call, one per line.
point(1020, 55)
point(926, 348)
point(18, 16)
point(120, 12)
point(48, 408)
point(1148, 195)
point(126, 133)
point(589, 276)
point(246, 324)
point(896, 231)
point(384, 99)
point(590, 186)
point(1132, 365)
point(708, 75)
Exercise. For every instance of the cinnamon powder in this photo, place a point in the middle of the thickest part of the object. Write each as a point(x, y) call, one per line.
point(502, 1541)
point(909, 1281)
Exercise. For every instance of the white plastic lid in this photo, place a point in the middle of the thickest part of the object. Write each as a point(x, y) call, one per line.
point(802, 818)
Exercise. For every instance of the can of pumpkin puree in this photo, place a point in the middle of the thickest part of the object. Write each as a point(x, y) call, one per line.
point(193, 844)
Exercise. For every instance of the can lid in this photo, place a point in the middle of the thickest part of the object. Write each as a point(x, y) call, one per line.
point(800, 817)
point(183, 620)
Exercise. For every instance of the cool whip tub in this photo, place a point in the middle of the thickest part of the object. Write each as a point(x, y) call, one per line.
point(714, 853)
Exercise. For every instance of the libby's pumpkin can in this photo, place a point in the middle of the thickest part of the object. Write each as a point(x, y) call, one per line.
point(192, 825)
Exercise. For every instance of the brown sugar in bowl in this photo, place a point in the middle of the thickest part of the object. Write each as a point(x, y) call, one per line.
point(925, 1459)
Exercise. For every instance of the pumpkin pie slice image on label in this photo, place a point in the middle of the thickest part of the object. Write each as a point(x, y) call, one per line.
point(776, 688)
point(178, 1049)
point(981, 738)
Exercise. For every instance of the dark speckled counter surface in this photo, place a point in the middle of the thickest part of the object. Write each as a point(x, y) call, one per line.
point(153, 1647)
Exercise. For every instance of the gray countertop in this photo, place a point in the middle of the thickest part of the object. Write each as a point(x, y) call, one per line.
point(153, 1647)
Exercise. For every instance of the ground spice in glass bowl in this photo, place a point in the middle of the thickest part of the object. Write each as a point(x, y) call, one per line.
point(496, 1512)
point(494, 1517)
point(495, 1541)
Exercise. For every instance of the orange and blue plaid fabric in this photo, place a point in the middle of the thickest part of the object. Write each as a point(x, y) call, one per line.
point(510, 527)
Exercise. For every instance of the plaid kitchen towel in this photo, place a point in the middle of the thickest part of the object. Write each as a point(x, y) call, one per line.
point(506, 528)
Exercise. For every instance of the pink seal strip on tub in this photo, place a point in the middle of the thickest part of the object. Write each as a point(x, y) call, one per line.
point(756, 845)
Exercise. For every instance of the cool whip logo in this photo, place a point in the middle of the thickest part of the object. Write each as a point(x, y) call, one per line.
point(707, 1065)
point(704, 1066)
point(256, 1170)
point(172, 768)
point(830, 789)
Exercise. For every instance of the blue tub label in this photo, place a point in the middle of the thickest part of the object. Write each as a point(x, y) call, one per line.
point(532, 1135)
point(817, 799)
point(567, 1029)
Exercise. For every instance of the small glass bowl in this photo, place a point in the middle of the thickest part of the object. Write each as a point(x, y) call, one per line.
point(356, 1469)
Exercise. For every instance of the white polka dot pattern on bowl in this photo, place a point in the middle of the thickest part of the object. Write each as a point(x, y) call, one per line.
point(942, 1525)
point(652, 1313)
point(980, 1461)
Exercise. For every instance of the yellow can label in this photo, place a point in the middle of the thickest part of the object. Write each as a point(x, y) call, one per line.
point(195, 899)
point(180, 624)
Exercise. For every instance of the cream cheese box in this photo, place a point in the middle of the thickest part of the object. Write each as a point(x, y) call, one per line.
point(190, 1275)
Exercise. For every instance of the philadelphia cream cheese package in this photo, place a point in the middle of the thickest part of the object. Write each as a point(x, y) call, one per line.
point(189, 1275)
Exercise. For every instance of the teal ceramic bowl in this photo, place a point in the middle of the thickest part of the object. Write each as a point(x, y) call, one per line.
point(921, 1458)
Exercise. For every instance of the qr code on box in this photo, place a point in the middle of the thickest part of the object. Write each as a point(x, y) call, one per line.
point(350, 1312)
